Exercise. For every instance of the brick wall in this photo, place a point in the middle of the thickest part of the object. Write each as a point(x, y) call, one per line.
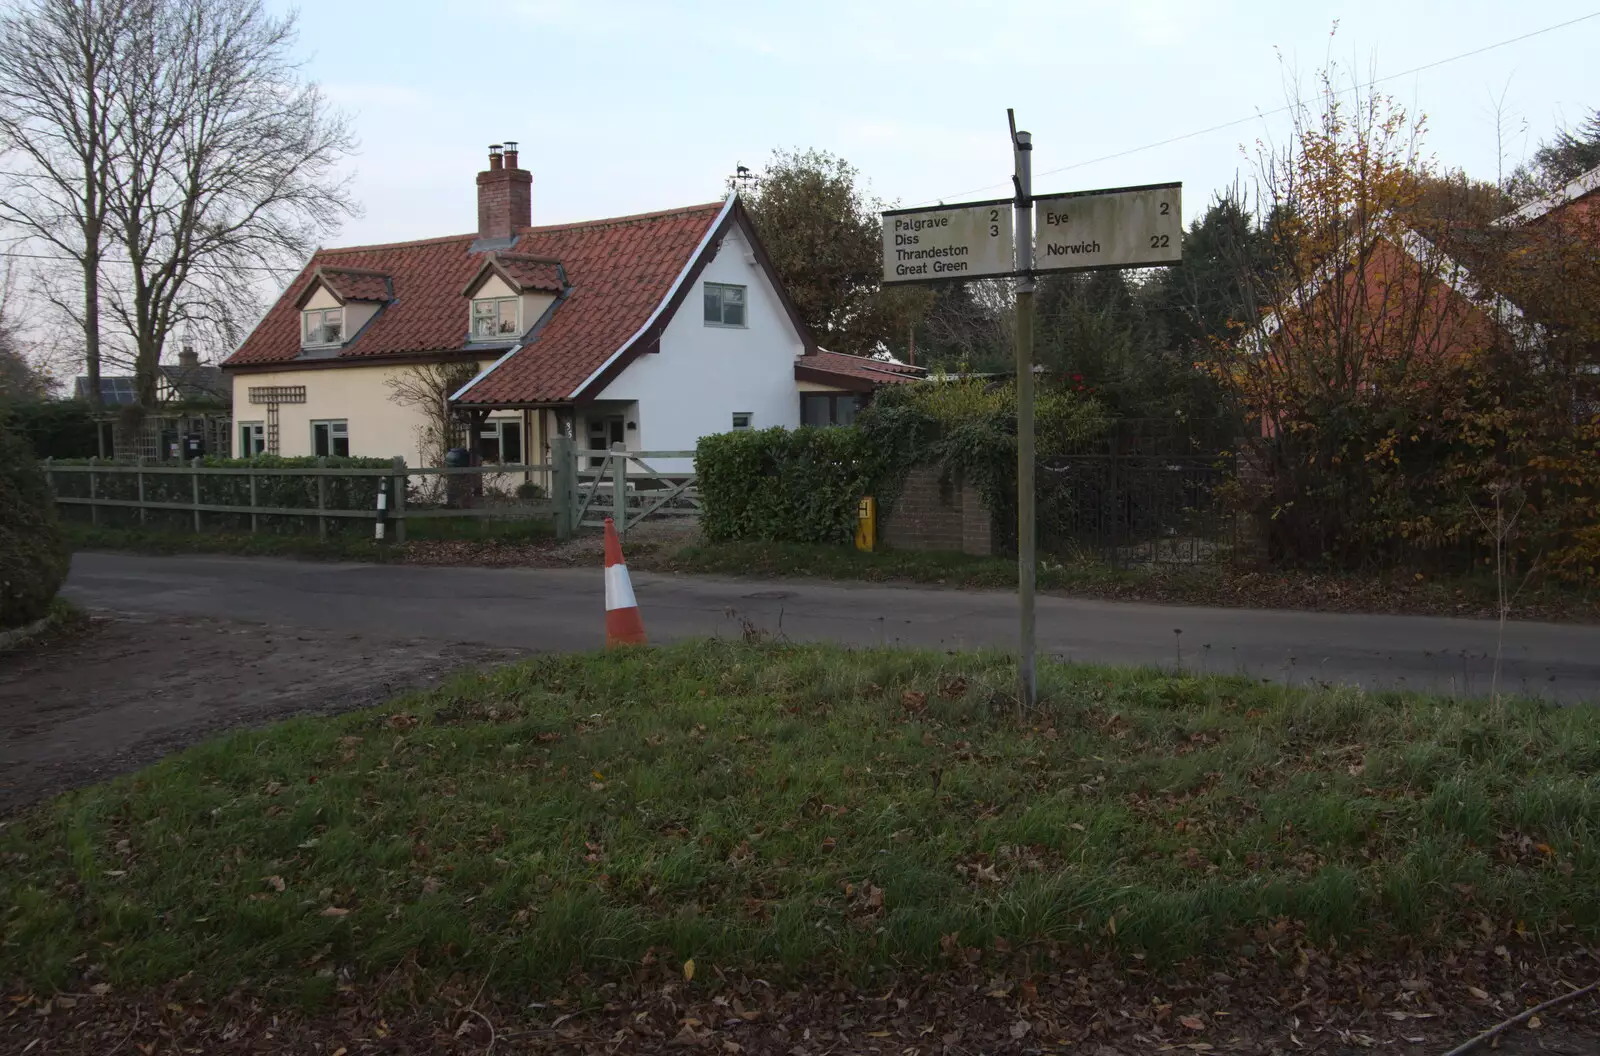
point(505, 202)
point(930, 515)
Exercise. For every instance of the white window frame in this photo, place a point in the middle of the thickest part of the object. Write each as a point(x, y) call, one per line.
point(258, 436)
point(720, 291)
point(495, 304)
point(335, 425)
point(321, 315)
point(749, 421)
point(495, 427)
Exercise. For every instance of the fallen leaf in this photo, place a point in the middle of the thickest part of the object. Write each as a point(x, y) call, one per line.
point(274, 882)
point(1535, 1023)
point(877, 1033)
point(334, 911)
point(688, 970)
point(1192, 1022)
point(1481, 995)
point(1019, 1028)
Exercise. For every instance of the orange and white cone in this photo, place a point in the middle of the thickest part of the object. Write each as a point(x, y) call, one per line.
point(624, 626)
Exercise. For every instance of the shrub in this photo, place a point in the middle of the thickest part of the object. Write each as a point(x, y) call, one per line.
point(54, 428)
point(33, 552)
point(778, 485)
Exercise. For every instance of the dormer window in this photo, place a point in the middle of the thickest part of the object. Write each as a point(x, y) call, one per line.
point(322, 327)
point(495, 318)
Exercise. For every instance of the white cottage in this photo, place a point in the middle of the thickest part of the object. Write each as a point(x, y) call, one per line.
point(650, 330)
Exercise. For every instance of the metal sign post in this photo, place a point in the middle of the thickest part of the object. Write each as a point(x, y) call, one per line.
point(1121, 227)
point(1027, 524)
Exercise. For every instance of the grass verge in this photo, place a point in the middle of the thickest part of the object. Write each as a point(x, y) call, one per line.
point(1221, 584)
point(784, 809)
point(344, 547)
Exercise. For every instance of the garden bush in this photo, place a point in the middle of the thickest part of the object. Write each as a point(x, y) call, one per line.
point(797, 486)
point(33, 552)
point(802, 486)
point(54, 428)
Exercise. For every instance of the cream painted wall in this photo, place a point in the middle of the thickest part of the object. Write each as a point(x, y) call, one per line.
point(320, 299)
point(379, 428)
point(356, 314)
point(494, 286)
point(704, 374)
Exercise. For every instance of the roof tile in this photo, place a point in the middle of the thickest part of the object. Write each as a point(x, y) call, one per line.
point(618, 271)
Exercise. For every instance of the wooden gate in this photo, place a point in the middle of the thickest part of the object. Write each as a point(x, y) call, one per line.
point(628, 488)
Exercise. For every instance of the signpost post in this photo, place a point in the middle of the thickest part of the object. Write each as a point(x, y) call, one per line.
point(1027, 522)
point(1120, 227)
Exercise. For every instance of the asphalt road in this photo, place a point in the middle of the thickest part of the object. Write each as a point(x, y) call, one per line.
point(562, 609)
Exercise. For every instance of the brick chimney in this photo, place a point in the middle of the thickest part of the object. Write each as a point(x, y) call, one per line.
point(505, 194)
point(187, 356)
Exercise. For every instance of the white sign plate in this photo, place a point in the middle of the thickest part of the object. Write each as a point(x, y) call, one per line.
point(948, 242)
point(1124, 227)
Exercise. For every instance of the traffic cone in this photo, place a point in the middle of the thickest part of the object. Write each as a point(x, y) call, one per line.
point(624, 626)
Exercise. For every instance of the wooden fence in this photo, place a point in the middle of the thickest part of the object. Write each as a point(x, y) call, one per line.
point(625, 487)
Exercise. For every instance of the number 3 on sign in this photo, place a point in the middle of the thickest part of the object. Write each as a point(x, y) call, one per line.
point(994, 223)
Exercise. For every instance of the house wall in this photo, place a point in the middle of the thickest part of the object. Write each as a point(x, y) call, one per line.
point(379, 427)
point(703, 374)
point(320, 298)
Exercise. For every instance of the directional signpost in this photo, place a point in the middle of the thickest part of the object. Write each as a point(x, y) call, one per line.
point(1120, 227)
point(970, 241)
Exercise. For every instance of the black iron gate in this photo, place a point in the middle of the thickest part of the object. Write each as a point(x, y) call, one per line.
point(1141, 492)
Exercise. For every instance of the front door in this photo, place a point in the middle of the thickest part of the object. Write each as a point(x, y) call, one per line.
point(604, 430)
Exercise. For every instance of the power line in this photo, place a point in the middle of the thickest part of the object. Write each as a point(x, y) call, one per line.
point(1280, 110)
point(129, 263)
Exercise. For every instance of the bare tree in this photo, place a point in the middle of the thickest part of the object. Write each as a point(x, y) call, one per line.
point(427, 387)
point(229, 165)
point(59, 136)
point(19, 379)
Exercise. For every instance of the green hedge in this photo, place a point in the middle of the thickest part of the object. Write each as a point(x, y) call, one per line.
point(797, 486)
point(33, 552)
point(55, 428)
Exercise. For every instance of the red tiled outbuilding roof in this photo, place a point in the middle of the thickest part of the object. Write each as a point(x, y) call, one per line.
point(854, 372)
point(618, 273)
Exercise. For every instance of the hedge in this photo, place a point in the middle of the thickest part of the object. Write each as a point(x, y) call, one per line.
point(33, 553)
point(797, 486)
point(55, 428)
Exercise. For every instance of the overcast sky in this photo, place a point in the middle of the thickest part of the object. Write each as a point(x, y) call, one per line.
point(623, 106)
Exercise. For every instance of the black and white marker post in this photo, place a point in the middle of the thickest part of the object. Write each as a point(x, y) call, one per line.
point(380, 527)
point(1027, 679)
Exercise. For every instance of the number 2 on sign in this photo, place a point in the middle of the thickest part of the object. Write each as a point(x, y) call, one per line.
point(994, 223)
point(1160, 241)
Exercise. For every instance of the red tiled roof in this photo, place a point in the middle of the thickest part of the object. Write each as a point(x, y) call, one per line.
point(532, 273)
point(356, 284)
point(859, 368)
point(619, 271)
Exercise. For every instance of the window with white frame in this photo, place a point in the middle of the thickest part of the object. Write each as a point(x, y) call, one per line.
point(252, 439)
point(331, 438)
point(724, 304)
point(495, 318)
point(321, 327)
point(742, 420)
point(501, 440)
